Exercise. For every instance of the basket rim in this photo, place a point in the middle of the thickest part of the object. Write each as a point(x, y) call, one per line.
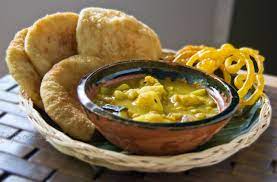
point(121, 161)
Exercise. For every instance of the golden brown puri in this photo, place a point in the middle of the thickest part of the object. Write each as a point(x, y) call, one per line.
point(51, 39)
point(58, 92)
point(114, 35)
point(21, 68)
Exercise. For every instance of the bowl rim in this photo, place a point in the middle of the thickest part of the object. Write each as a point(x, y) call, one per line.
point(90, 106)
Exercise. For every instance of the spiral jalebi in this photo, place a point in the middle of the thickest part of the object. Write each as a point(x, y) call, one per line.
point(230, 61)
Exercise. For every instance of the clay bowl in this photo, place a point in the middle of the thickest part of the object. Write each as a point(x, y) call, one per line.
point(156, 138)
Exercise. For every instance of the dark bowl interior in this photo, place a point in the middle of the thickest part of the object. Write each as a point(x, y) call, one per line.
point(224, 94)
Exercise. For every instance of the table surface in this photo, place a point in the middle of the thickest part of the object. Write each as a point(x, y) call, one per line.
point(26, 156)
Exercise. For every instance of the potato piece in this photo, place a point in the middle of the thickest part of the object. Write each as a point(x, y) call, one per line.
point(132, 94)
point(159, 89)
point(175, 116)
point(194, 111)
point(200, 116)
point(211, 103)
point(187, 100)
point(119, 95)
point(200, 92)
point(122, 87)
point(152, 117)
point(149, 101)
point(123, 114)
point(149, 80)
point(170, 88)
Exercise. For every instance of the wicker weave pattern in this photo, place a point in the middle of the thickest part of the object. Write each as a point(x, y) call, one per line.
point(124, 162)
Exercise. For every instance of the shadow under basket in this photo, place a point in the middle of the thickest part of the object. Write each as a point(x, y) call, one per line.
point(243, 129)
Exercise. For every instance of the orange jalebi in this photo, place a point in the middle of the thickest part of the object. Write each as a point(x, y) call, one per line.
point(230, 61)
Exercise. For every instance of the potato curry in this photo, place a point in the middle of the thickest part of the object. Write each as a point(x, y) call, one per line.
point(148, 99)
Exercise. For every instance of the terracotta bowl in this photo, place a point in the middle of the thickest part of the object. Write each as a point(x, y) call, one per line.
point(156, 138)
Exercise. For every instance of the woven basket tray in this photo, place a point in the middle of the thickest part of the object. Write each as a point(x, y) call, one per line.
point(123, 162)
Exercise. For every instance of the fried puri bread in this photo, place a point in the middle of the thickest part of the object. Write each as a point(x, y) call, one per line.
point(21, 68)
point(59, 96)
point(114, 35)
point(51, 39)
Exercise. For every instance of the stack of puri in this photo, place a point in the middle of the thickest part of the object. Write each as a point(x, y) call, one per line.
point(49, 58)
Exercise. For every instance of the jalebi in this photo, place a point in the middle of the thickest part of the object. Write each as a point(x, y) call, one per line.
point(230, 61)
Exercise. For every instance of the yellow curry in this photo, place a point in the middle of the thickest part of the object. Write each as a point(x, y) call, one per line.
point(148, 99)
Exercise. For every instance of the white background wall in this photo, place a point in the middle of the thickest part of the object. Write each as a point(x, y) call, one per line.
point(177, 22)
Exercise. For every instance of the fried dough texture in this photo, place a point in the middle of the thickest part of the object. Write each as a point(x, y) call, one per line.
point(51, 39)
point(59, 95)
point(21, 68)
point(114, 35)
